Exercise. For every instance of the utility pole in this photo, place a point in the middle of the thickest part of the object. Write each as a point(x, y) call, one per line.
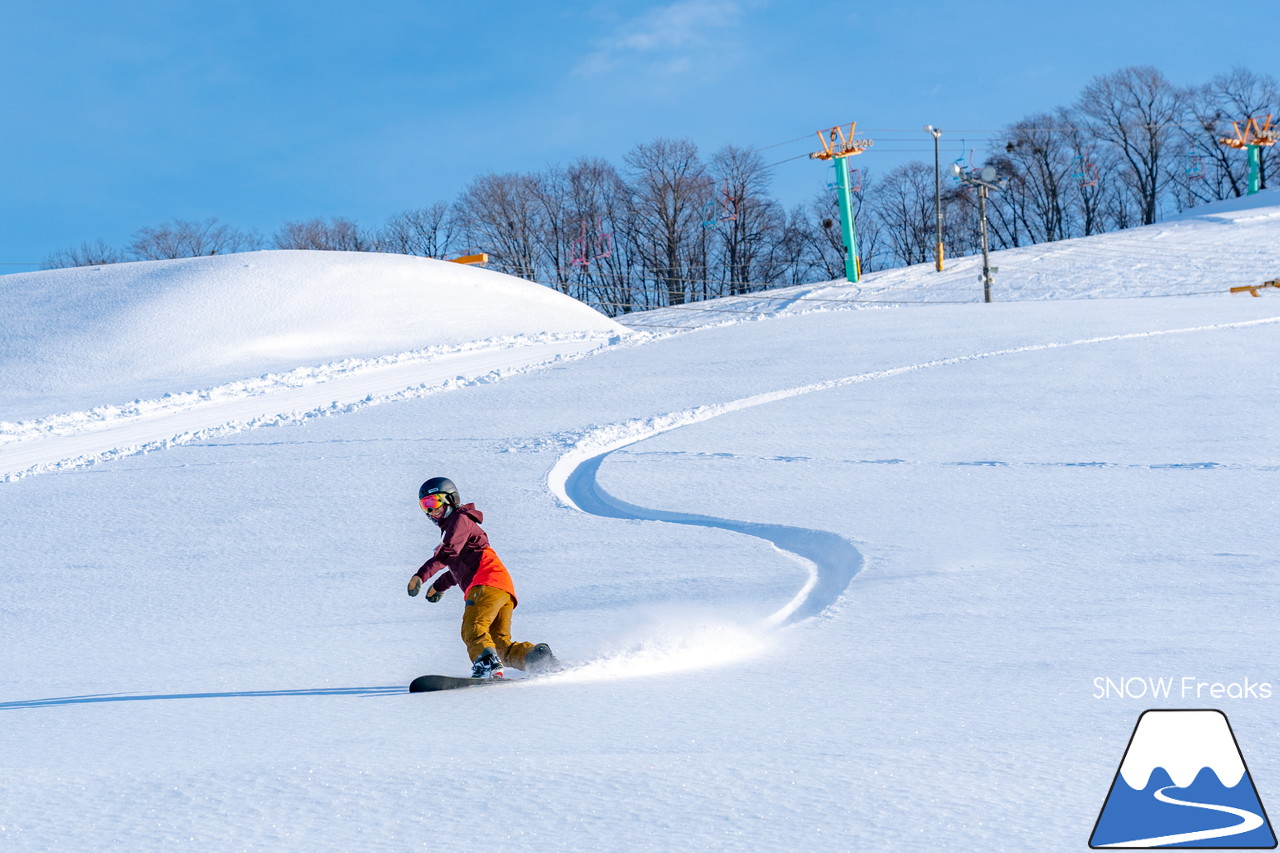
point(937, 181)
point(985, 181)
point(986, 247)
point(837, 146)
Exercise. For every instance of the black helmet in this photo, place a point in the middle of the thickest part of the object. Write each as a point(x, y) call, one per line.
point(440, 485)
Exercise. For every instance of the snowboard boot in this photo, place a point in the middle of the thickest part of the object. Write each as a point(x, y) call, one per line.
point(541, 660)
point(488, 665)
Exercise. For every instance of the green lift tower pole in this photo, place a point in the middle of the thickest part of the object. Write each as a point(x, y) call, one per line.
point(838, 146)
point(852, 267)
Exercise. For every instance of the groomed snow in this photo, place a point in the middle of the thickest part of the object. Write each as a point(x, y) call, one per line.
point(1203, 252)
point(829, 578)
point(169, 326)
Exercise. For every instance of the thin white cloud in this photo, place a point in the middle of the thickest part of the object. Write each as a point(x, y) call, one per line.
point(664, 39)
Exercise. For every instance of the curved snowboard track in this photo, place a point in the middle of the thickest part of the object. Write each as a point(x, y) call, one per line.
point(833, 561)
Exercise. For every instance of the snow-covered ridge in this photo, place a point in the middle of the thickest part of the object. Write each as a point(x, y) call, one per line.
point(161, 326)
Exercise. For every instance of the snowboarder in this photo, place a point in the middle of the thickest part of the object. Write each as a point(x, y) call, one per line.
point(469, 563)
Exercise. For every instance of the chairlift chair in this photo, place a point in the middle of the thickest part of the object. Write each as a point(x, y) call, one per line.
point(1086, 172)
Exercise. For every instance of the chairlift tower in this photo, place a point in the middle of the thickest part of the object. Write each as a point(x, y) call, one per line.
point(838, 146)
point(1251, 139)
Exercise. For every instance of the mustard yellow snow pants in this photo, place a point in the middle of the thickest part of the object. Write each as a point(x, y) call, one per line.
point(486, 622)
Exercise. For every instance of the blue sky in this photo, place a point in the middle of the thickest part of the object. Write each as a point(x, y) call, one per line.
point(120, 115)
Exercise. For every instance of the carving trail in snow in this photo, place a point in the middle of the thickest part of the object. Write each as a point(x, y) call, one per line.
point(73, 439)
point(832, 559)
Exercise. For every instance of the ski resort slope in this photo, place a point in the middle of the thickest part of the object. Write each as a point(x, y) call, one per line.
point(829, 578)
point(114, 333)
point(105, 361)
point(1203, 252)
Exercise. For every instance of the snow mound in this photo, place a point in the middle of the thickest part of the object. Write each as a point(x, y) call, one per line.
point(155, 326)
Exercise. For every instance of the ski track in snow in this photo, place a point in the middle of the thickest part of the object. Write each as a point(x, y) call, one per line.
point(74, 439)
point(832, 560)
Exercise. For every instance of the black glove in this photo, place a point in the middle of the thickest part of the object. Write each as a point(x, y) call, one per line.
point(433, 596)
point(415, 584)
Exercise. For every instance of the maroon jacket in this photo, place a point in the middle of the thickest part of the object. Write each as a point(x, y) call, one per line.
point(461, 549)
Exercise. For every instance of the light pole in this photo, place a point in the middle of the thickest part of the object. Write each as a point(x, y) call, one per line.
point(937, 181)
point(985, 182)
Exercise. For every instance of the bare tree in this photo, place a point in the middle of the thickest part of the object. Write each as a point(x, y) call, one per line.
point(870, 230)
point(960, 227)
point(1039, 159)
point(85, 255)
point(1211, 171)
point(604, 272)
point(670, 228)
point(1092, 174)
point(499, 215)
point(744, 222)
point(183, 239)
point(826, 239)
point(904, 204)
point(557, 227)
point(428, 232)
point(336, 235)
point(669, 186)
point(1136, 110)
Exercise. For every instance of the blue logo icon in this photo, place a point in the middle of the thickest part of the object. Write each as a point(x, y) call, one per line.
point(1183, 783)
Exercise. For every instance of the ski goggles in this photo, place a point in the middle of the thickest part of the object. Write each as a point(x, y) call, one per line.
point(431, 502)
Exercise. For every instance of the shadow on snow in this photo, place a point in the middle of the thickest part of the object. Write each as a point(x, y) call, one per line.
point(240, 694)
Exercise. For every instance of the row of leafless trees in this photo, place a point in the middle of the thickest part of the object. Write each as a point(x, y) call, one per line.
point(1134, 148)
point(184, 239)
point(668, 227)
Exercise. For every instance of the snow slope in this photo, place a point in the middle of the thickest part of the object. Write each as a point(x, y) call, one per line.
point(164, 326)
point(340, 330)
point(1204, 252)
point(842, 579)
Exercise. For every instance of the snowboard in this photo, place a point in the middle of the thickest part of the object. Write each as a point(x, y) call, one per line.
point(432, 683)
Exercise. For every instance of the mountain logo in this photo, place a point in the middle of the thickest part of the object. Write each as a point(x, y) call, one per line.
point(1183, 783)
